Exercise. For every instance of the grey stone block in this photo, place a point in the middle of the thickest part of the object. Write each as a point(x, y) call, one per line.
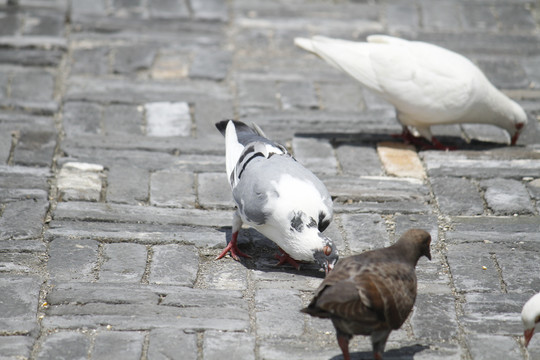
point(170, 343)
point(457, 196)
point(257, 93)
point(297, 94)
point(315, 154)
point(515, 17)
point(507, 197)
point(307, 279)
point(122, 119)
point(214, 191)
point(82, 117)
point(29, 57)
point(19, 305)
point(44, 23)
point(36, 85)
point(83, 7)
point(18, 262)
point(472, 268)
point(444, 15)
point(506, 74)
point(275, 349)
point(172, 188)
point(123, 263)
point(10, 23)
point(93, 61)
point(130, 59)
point(174, 265)
point(213, 10)
point(364, 232)
point(434, 317)
point(29, 226)
point(64, 345)
point(478, 17)
point(340, 96)
point(355, 159)
point(168, 9)
point(512, 262)
point(72, 260)
point(35, 147)
point(402, 17)
point(235, 345)
point(118, 345)
point(16, 347)
point(211, 64)
point(493, 313)
point(92, 292)
point(277, 313)
point(127, 184)
point(224, 275)
point(483, 347)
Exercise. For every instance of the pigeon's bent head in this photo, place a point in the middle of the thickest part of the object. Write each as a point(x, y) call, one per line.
point(415, 243)
point(519, 120)
point(530, 316)
point(327, 256)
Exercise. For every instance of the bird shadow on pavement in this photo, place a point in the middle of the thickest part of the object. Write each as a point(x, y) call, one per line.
point(262, 251)
point(403, 353)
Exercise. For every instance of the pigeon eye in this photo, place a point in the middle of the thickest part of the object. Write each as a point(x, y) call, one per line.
point(537, 319)
point(327, 250)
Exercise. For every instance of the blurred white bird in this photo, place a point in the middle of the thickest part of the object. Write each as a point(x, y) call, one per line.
point(427, 84)
point(530, 316)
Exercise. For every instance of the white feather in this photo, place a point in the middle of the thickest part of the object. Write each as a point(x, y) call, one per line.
point(233, 149)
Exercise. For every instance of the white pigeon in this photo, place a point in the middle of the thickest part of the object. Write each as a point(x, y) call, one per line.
point(530, 316)
point(277, 196)
point(427, 84)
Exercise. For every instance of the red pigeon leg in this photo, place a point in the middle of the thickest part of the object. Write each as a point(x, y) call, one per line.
point(233, 248)
point(343, 342)
point(285, 258)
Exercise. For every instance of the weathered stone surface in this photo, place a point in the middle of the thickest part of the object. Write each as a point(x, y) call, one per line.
point(174, 265)
point(172, 188)
point(72, 260)
point(169, 343)
point(19, 304)
point(127, 184)
point(14, 226)
point(277, 313)
point(214, 191)
point(65, 345)
point(434, 309)
point(457, 196)
point(123, 263)
point(16, 347)
point(358, 160)
point(364, 231)
point(236, 345)
point(211, 64)
point(507, 197)
point(118, 345)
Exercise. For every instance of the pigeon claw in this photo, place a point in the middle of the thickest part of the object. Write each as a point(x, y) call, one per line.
point(232, 246)
point(285, 258)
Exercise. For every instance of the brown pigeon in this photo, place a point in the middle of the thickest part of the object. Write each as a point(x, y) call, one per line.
point(372, 293)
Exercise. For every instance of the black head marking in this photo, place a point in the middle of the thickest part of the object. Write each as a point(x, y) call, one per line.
point(296, 222)
point(323, 222)
point(312, 223)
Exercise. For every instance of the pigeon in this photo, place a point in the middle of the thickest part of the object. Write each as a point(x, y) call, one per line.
point(427, 84)
point(372, 293)
point(530, 316)
point(277, 196)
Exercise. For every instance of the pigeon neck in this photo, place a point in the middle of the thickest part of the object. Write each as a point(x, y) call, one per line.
point(407, 252)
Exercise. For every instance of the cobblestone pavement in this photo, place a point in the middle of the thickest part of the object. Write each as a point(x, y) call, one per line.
point(114, 200)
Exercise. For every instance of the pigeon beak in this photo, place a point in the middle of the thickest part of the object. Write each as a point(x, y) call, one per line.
point(329, 267)
point(428, 255)
point(528, 334)
point(514, 138)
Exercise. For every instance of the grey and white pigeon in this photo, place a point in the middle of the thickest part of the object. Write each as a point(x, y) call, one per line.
point(530, 316)
point(372, 293)
point(427, 84)
point(277, 196)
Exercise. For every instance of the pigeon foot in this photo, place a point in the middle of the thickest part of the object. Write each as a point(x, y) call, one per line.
point(285, 258)
point(343, 342)
point(233, 248)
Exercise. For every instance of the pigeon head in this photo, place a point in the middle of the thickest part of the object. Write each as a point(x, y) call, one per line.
point(327, 256)
point(415, 244)
point(519, 120)
point(530, 316)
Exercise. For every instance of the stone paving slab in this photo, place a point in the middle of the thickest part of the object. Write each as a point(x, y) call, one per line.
point(114, 200)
